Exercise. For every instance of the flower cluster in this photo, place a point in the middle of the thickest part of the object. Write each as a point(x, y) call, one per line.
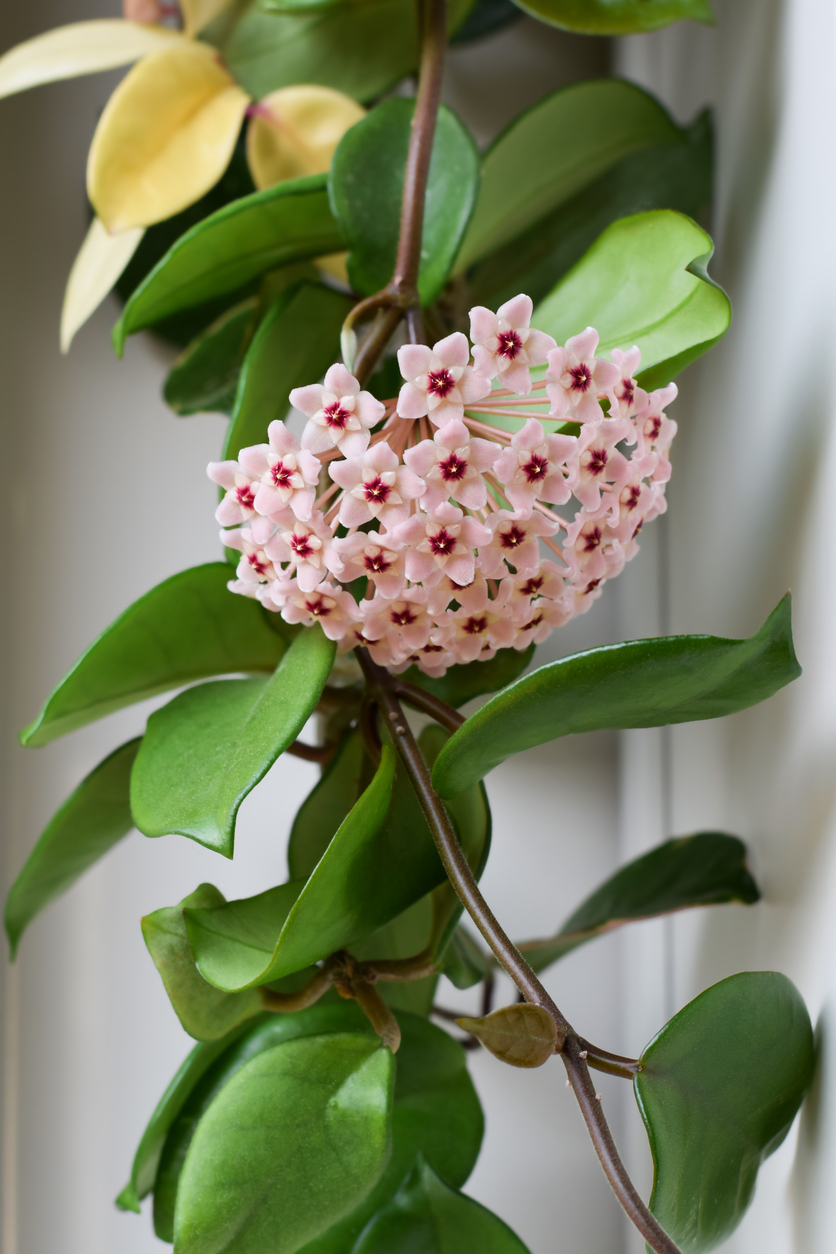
point(417, 526)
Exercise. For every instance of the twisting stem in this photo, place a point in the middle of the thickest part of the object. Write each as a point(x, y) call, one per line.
point(464, 883)
point(434, 706)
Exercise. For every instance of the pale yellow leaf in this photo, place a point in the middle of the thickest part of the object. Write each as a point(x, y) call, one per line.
point(522, 1035)
point(199, 13)
point(165, 137)
point(334, 266)
point(100, 261)
point(82, 48)
point(294, 132)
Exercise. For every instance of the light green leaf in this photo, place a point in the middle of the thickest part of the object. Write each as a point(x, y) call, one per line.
point(204, 377)
point(643, 282)
point(292, 1143)
point(426, 1217)
point(641, 683)
point(467, 680)
point(238, 243)
point(90, 822)
point(718, 1090)
point(296, 342)
point(617, 17)
point(325, 807)
point(707, 869)
point(187, 628)
point(366, 189)
point(208, 748)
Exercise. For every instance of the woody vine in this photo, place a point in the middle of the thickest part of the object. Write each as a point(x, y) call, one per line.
point(475, 466)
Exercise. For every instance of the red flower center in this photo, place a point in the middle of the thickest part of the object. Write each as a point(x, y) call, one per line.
point(532, 586)
point(509, 344)
point(591, 586)
point(376, 491)
point(301, 546)
point(535, 622)
point(317, 608)
point(453, 468)
point(440, 383)
point(626, 390)
point(596, 460)
point(281, 475)
point(245, 497)
point(652, 427)
point(512, 538)
point(256, 563)
point(475, 625)
point(630, 496)
point(536, 468)
point(378, 563)
point(591, 539)
point(336, 416)
point(403, 617)
point(442, 543)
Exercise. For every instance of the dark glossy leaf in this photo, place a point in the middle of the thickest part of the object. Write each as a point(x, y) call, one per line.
point(643, 282)
point(91, 821)
point(208, 748)
point(360, 49)
point(521, 1035)
point(465, 962)
point(324, 809)
point(292, 1143)
point(617, 17)
point(486, 17)
point(718, 1090)
point(366, 188)
point(703, 870)
point(473, 679)
point(239, 243)
point(426, 1217)
point(661, 176)
point(641, 683)
point(187, 628)
point(205, 376)
point(555, 148)
point(296, 342)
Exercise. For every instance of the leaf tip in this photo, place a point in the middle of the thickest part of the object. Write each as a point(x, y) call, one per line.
point(127, 1199)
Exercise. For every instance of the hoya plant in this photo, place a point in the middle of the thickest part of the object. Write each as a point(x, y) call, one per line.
point(449, 377)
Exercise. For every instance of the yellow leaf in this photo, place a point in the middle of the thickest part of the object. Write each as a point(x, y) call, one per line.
point(199, 13)
point(165, 137)
point(522, 1035)
point(334, 266)
point(82, 48)
point(100, 261)
point(294, 132)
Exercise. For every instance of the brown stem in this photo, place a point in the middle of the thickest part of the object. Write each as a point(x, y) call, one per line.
point(612, 1064)
point(286, 1003)
point(434, 706)
point(311, 753)
point(416, 968)
point(377, 1012)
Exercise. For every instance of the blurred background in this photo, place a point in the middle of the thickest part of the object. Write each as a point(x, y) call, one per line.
point(105, 495)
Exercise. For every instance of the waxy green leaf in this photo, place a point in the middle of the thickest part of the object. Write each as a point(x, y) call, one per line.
point(521, 1035)
point(328, 803)
point(707, 869)
point(189, 627)
point(644, 281)
point(616, 17)
point(209, 747)
point(296, 342)
point(641, 683)
point(292, 1143)
point(366, 189)
point(718, 1090)
point(91, 821)
point(427, 1217)
point(204, 378)
point(465, 962)
point(473, 679)
point(238, 243)
point(552, 150)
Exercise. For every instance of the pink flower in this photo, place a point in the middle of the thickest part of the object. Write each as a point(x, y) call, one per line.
point(625, 394)
point(655, 430)
point(468, 634)
point(591, 550)
point(379, 557)
point(514, 540)
point(287, 473)
point(239, 503)
point(599, 461)
point(376, 486)
point(505, 346)
point(543, 617)
point(441, 542)
point(439, 381)
point(255, 565)
point(309, 549)
point(536, 466)
point(333, 608)
point(452, 465)
point(403, 624)
point(576, 376)
point(340, 413)
point(517, 592)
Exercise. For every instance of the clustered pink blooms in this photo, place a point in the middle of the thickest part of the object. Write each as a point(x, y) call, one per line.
point(427, 545)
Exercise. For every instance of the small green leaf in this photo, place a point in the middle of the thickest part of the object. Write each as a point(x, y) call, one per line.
point(292, 1143)
point(643, 282)
point(467, 680)
point(426, 1217)
point(521, 1035)
point(296, 342)
point(187, 628)
point(325, 807)
point(465, 962)
point(718, 1090)
point(205, 375)
point(208, 748)
point(617, 17)
point(204, 1012)
point(91, 821)
point(366, 188)
point(240, 242)
point(641, 683)
point(707, 869)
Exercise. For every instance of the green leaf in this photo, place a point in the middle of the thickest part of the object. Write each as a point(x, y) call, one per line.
point(187, 628)
point(292, 1143)
point(521, 1035)
point(643, 282)
point(718, 1090)
point(91, 821)
point(660, 176)
point(583, 129)
point(426, 1217)
point(485, 17)
point(208, 748)
point(707, 869)
point(473, 679)
point(465, 962)
point(617, 17)
point(403, 937)
point(296, 342)
point(204, 377)
point(366, 188)
point(359, 49)
point(238, 243)
point(325, 807)
point(641, 683)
